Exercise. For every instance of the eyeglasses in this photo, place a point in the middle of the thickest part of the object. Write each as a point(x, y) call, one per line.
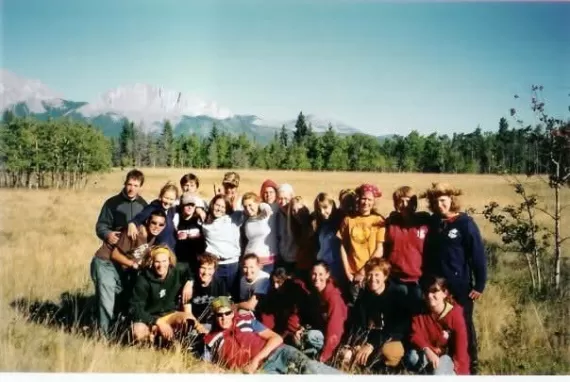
point(223, 314)
point(157, 224)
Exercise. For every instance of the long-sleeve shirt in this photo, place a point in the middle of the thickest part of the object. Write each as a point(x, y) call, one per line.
point(168, 234)
point(223, 237)
point(117, 212)
point(261, 240)
point(446, 334)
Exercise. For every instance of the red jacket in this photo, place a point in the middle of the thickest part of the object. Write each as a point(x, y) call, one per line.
point(405, 245)
point(330, 317)
point(447, 335)
point(284, 309)
point(236, 346)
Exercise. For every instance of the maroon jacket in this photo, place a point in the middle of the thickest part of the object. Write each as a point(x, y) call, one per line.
point(404, 244)
point(447, 335)
point(284, 310)
point(329, 315)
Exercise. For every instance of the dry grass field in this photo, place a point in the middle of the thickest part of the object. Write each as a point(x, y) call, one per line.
point(47, 239)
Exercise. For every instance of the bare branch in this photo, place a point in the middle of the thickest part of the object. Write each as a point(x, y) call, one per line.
point(545, 212)
point(564, 239)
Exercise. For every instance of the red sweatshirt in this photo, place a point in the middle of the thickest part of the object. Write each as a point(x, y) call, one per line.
point(332, 316)
point(405, 245)
point(439, 334)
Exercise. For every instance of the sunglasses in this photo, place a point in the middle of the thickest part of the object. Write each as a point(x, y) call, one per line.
point(223, 314)
point(157, 224)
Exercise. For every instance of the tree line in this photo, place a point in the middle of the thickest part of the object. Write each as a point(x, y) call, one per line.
point(517, 149)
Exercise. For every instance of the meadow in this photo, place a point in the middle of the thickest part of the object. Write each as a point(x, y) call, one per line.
point(47, 240)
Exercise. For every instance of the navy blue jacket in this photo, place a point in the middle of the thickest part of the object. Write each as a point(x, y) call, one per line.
point(454, 250)
point(168, 235)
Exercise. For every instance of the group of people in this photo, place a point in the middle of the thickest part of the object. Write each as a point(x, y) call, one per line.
point(260, 282)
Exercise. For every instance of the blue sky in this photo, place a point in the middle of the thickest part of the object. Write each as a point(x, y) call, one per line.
point(378, 66)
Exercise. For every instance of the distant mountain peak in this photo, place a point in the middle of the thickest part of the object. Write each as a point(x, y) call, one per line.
point(15, 89)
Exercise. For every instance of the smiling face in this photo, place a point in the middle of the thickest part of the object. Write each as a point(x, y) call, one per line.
point(435, 298)
point(160, 265)
point(325, 209)
point(230, 191)
point(206, 273)
point(219, 208)
point(156, 225)
point(376, 280)
point(269, 195)
point(406, 205)
point(191, 187)
point(167, 199)
point(188, 209)
point(224, 317)
point(319, 277)
point(366, 203)
point(444, 205)
point(250, 269)
point(251, 207)
point(283, 198)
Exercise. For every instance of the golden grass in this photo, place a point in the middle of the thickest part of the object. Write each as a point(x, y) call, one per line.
point(47, 240)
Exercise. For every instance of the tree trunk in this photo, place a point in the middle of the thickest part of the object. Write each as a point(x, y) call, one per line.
point(530, 271)
point(557, 239)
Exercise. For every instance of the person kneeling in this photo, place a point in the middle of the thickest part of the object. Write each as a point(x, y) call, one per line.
point(239, 341)
point(439, 336)
point(159, 288)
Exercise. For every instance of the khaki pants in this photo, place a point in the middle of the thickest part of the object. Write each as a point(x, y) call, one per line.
point(176, 320)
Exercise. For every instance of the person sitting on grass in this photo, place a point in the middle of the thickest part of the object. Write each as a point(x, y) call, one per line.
point(161, 288)
point(165, 202)
point(379, 321)
point(113, 289)
point(240, 342)
point(253, 285)
point(439, 336)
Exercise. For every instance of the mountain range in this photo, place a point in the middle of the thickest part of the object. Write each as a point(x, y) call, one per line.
point(148, 107)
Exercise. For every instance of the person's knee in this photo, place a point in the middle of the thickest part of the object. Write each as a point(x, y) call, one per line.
point(315, 339)
point(141, 331)
point(393, 352)
point(412, 359)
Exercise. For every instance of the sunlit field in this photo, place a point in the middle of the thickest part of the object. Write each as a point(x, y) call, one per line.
point(47, 240)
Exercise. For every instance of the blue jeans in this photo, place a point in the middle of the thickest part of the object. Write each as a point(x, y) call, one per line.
point(108, 285)
point(228, 273)
point(286, 359)
point(313, 342)
point(417, 361)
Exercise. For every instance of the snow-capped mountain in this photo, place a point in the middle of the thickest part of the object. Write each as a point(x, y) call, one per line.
point(147, 106)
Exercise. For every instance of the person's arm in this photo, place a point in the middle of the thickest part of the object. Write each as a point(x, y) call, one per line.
point(418, 335)
point(104, 225)
point(138, 302)
point(380, 233)
point(334, 329)
point(342, 235)
point(119, 251)
point(475, 250)
point(142, 216)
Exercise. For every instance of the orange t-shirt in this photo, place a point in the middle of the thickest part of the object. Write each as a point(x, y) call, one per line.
point(361, 235)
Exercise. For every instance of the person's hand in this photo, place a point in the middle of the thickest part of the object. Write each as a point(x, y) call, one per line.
point(135, 265)
point(474, 295)
point(432, 357)
point(363, 354)
point(132, 231)
point(201, 213)
point(113, 237)
point(297, 337)
point(252, 366)
point(200, 328)
point(187, 292)
point(359, 278)
point(182, 235)
point(165, 330)
point(350, 277)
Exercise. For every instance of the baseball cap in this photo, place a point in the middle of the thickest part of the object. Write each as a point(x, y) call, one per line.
point(231, 178)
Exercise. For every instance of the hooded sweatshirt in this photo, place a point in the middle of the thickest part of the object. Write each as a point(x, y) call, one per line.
point(446, 334)
point(168, 234)
point(404, 245)
point(153, 298)
point(329, 315)
point(455, 251)
point(379, 317)
point(117, 212)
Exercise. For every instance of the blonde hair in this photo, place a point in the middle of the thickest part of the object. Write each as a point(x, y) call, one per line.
point(250, 195)
point(442, 189)
point(169, 186)
point(158, 250)
point(403, 192)
point(322, 198)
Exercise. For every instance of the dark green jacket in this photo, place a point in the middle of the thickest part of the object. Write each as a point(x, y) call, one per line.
point(116, 213)
point(153, 298)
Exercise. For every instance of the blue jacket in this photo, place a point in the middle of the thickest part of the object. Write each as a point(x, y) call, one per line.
point(168, 235)
point(454, 250)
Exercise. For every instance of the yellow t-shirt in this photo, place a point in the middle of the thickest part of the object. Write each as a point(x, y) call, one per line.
point(361, 235)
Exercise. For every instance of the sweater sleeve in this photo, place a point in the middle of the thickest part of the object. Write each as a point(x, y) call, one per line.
point(138, 301)
point(400, 317)
point(141, 217)
point(418, 337)
point(476, 252)
point(335, 327)
point(461, 354)
point(104, 223)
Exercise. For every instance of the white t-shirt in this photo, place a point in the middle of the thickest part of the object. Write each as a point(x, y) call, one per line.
point(258, 286)
point(222, 237)
point(261, 236)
